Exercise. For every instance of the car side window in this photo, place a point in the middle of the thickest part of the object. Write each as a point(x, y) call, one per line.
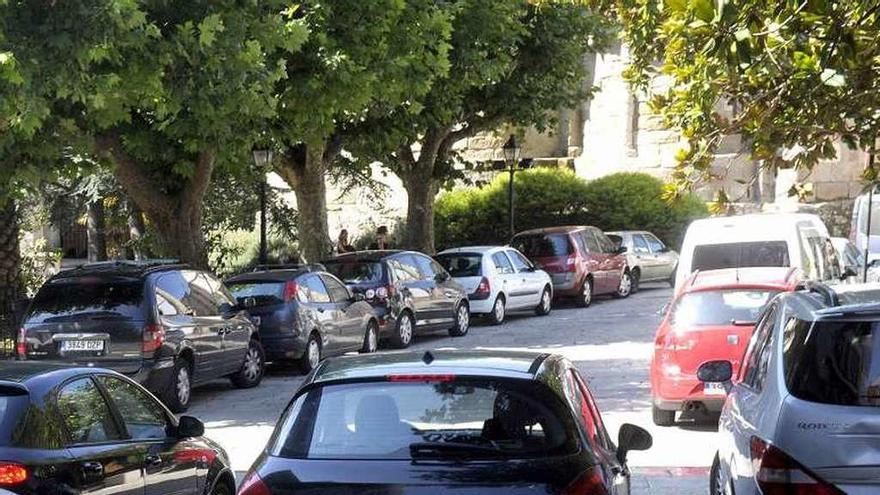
point(654, 244)
point(601, 433)
point(172, 295)
point(639, 244)
point(315, 289)
point(86, 415)
point(502, 263)
point(759, 351)
point(201, 299)
point(142, 416)
point(338, 292)
point(404, 269)
point(425, 267)
point(581, 408)
point(520, 263)
point(590, 240)
point(582, 245)
point(605, 244)
point(219, 293)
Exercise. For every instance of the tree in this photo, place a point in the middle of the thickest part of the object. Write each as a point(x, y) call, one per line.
point(361, 56)
point(799, 75)
point(512, 62)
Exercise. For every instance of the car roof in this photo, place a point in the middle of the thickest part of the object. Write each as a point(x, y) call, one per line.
point(627, 232)
point(782, 278)
point(563, 229)
point(471, 249)
point(369, 255)
point(490, 363)
point(269, 275)
point(28, 372)
point(124, 268)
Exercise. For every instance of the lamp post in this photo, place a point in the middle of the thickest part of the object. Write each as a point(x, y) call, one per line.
point(261, 159)
point(511, 157)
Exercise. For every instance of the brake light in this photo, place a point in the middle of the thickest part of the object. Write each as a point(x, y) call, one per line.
point(253, 485)
point(484, 290)
point(379, 293)
point(290, 291)
point(12, 474)
point(154, 337)
point(777, 473)
point(590, 483)
point(21, 343)
point(570, 264)
point(420, 378)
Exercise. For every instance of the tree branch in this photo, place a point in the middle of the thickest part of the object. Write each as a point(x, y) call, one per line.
point(139, 186)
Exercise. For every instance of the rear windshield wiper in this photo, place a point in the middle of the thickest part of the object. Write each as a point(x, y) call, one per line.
point(457, 450)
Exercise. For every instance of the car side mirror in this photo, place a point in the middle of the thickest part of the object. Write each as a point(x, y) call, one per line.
point(441, 277)
point(357, 297)
point(188, 427)
point(847, 273)
point(632, 437)
point(716, 372)
point(228, 310)
point(621, 249)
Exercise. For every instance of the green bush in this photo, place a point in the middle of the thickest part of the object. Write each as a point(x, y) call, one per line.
point(546, 197)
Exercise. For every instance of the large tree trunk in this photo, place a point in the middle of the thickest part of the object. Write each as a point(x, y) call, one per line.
point(10, 261)
point(97, 238)
point(420, 191)
point(304, 169)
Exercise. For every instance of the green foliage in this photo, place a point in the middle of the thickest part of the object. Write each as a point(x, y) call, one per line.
point(238, 251)
point(546, 197)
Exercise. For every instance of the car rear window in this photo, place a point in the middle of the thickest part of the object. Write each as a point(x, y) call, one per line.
point(464, 419)
point(264, 292)
point(13, 407)
point(740, 254)
point(719, 307)
point(543, 246)
point(93, 297)
point(462, 264)
point(356, 272)
point(833, 362)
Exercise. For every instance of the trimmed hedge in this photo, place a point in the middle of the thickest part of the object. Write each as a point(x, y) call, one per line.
point(546, 197)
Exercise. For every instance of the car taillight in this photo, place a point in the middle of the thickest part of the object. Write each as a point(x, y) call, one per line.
point(154, 337)
point(590, 483)
point(12, 474)
point(380, 293)
point(290, 291)
point(777, 473)
point(420, 378)
point(253, 485)
point(21, 343)
point(570, 264)
point(484, 290)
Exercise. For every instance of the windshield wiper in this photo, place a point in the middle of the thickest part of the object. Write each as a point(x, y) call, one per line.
point(456, 450)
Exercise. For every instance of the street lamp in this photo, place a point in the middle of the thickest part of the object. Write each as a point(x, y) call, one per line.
point(262, 158)
point(511, 152)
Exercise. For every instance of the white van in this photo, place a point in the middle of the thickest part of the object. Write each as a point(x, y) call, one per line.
point(779, 239)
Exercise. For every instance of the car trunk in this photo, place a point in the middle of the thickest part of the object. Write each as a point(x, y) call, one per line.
point(693, 347)
point(469, 283)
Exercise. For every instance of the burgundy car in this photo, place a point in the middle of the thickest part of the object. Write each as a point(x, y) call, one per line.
point(581, 260)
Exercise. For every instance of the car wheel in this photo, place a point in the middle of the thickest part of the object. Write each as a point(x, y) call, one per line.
point(253, 367)
point(179, 390)
point(624, 288)
point(403, 334)
point(496, 317)
point(462, 321)
point(371, 338)
point(585, 298)
point(671, 280)
point(636, 276)
point(716, 481)
point(312, 356)
point(662, 417)
point(545, 304)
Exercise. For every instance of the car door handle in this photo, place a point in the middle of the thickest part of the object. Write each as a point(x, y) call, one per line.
point(153, 460)
point(92, 469)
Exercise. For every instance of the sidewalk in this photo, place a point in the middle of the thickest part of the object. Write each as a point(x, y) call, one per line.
point(670, 480)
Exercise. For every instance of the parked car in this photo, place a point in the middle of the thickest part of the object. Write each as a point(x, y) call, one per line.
point(91, 430)
point(467, 422)
point(497, 280)
point(305, 314)
point(649, 260)
point(582, 261)
point(858, 233)
point(410, 293)
point(165, 325)
point(711, 318)
point(802, 415)
point(851, 258)
point(797, 240)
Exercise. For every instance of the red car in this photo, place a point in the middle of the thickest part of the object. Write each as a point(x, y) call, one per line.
point(711, 318)
point(581, 260)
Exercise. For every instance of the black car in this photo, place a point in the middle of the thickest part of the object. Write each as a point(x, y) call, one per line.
point(70, 430)
point(464, 422)
point(410, 292)
point(305, 314)
point(163, 324)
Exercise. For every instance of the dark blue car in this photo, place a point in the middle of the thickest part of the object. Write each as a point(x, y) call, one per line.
point(444, 421)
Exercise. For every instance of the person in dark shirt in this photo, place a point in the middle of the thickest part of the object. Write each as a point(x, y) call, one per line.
point(381, 239)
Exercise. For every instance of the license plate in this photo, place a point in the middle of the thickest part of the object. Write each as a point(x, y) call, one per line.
point(714, 389)
point(82, 345)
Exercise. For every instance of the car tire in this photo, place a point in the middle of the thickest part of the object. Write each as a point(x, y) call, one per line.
point(662, 417)
point(624, 288)
point(499, 311)
point(671, 280)
point(403, 331)
point(586, 296)
point(179, 390)
point(462, 317)
point(636, 275)
point(371, 338)
point(252, 369)
point(715, 482)
point(545, 305)
point(312, 356)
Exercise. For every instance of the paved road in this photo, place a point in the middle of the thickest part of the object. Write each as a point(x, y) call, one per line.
point(610, 342)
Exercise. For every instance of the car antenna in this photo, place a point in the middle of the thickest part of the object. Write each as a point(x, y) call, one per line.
point(428, 358)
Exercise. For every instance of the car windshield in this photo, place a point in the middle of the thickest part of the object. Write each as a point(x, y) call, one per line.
point(462, 264)
point(356, 272)
point(474, 418)
point(91, 297)
point(740, 254)
point(719, 307)
point(833, 362)
point(543, 246)
point(264, 292)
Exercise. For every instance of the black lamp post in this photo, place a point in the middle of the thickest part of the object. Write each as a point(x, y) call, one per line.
point(511, 157)
point(262, 158)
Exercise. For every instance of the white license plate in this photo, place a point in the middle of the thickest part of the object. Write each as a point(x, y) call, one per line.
point(82, 345)
point(714, 388)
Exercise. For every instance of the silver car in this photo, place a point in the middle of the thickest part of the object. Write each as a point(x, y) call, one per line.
point(649, 259)
point(803, 415)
